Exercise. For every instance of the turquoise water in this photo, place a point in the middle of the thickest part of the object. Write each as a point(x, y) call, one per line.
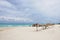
point(14, 25)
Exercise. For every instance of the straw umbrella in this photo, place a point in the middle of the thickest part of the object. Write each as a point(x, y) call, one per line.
point(48, 24)
point(36, 25)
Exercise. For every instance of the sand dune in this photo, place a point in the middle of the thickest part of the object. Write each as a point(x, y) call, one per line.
point(29, 33)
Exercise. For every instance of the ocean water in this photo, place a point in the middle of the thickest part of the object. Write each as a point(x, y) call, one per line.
point(14, 25)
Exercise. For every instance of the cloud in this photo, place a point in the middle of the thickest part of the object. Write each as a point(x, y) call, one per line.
point(6, 8)
point(49, 8)
point(10, 12)
point(6, 4)
point(37, 10)
point(10, 9)
point(19, 19)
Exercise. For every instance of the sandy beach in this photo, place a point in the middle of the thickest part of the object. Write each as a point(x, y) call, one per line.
point(29, 33)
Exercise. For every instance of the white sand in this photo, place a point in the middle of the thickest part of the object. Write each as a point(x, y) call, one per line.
point(29, 33)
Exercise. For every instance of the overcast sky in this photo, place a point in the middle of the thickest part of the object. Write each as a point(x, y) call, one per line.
point(37, 11)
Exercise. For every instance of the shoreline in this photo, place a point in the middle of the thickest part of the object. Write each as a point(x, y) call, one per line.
point(29, 33)
point(9, 28)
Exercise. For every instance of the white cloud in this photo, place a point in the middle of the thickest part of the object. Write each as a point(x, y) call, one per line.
point(7, 7)
point(35, 9)
point(2, 0)
point(10, 9)
point(49, 8)
point(6, 4)
point(15, 19)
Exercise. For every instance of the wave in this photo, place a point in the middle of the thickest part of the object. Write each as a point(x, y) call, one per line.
point(14, 25)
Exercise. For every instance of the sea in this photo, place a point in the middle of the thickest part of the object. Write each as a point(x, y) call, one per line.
point(14, 25)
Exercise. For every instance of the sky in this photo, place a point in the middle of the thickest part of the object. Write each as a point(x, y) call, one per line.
point(29, 11)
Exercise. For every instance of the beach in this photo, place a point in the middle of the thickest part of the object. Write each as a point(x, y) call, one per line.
point(30, 33)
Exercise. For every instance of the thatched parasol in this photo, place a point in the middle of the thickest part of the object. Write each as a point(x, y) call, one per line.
point(36, 25)
point(47, 25)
